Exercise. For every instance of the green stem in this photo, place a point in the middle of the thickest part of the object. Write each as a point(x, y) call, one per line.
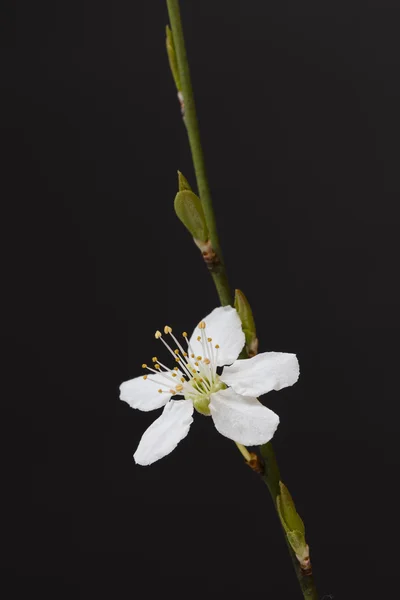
point(218, 271)
point(271, 475)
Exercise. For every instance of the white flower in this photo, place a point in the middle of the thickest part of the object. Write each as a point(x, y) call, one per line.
point(235, 410)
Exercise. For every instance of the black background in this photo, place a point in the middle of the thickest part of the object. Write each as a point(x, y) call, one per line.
point(298, 105)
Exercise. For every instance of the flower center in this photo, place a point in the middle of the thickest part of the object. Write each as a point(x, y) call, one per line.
point(195, 375)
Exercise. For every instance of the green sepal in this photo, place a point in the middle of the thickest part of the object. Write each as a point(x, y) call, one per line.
point(183, 183)
point(288, 514)
point(246, 316)
point(173, 63)
point(189, 210)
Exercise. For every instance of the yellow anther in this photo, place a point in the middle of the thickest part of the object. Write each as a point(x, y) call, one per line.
point(157, 334)
point(157, 367)
point(183, 379)
point(160, 391)
point(206, 361)
point(192, 355)
point(176, 369)
point(144, 376)
point(197, 364)
point(177, 359)
point(202, 325)
point(167, 329)
point(154, 359)
point(176, 351)
point(179, 387)
point(209, 339)
point(217, 346)
point(173, 374)
point(185, 354)
point(172, 391)
point(194, 371)
point(144, 366)
point(184, 334)
point(199, 338)
point(198, 357)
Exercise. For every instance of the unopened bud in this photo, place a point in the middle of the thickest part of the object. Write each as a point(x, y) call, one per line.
point(189, 210)
point(246, 316)
point(173, 63)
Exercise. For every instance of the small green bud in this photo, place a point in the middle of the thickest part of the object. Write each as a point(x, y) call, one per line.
point(173, 63)
point(290, 518)
point(293, 526)
point(249, 328)
point(189, 210)
point(183, 183)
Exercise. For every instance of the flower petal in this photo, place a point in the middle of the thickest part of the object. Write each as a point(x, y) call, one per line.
point(262, 373)
point(242, 419)
point(165, 433)
point(223, 325)
point(143, 393)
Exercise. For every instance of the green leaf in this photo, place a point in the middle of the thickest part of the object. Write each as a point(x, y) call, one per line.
point(291, 520)
point(183, 183)
point(189, 210)
point(173, 63)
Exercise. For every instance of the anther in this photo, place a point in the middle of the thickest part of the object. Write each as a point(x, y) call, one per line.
point(157, 367)
point(192, 355)
point(144, 366)
point(179, 387)
point(176, 369)
point(173, 374)
point(202, 325)
point(154, 359)
point(167, 329)
point(184, 334)
point(177, 359)
point(157, 334)
point(199, 338)
point(183, 380)
point(160, 391)
point(198, 357)
point(172, 391)
point(209, 339)
point(206, 361)
point(176, 351)
point(217, 346)
point(144, 376)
